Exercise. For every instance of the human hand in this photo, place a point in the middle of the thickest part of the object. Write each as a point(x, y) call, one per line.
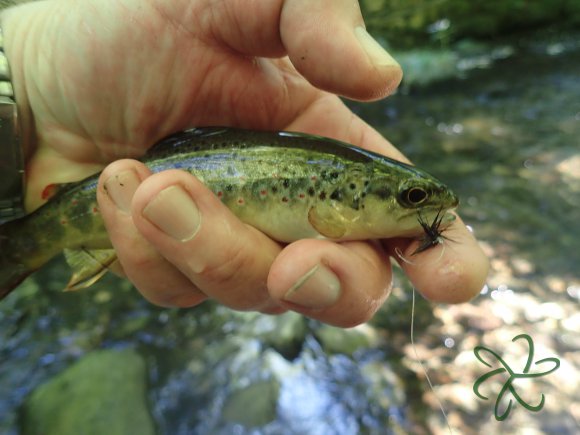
point(101, 80)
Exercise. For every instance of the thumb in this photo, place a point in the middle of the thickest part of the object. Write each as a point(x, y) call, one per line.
point(328, 44)
point(325, 39)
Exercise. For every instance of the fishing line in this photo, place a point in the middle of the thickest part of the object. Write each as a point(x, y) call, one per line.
point(402, 257)
point(423, 366)
point(414, 263)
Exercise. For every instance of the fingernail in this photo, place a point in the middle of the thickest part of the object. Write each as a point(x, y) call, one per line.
point(174, 212)
point(121, 187)
point(317, 288)
point(378, 55)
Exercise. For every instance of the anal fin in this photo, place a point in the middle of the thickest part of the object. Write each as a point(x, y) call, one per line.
point(88, 266)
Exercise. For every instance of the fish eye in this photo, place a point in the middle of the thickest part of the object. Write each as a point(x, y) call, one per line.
point(415, 195)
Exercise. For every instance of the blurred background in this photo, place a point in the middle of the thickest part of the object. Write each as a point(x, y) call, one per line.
point(490, 104)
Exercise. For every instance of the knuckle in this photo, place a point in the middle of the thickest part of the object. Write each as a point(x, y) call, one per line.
point(226, 267)
point(134, 256)
point(231, 275)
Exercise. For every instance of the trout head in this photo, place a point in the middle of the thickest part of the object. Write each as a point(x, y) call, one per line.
point(396, 205)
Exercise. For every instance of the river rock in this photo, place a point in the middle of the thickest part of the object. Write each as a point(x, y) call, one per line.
point(254, 405)
point(346, 341)
point(285, 333)
point(103, 393)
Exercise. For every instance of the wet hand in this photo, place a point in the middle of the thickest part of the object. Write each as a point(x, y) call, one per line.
point(128, 73)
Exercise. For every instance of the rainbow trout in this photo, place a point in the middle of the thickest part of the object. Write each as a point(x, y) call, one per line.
point(287, 185)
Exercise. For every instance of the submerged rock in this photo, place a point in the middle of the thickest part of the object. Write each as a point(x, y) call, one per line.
point(254, 405)
point(346, 341)
point(103, 393)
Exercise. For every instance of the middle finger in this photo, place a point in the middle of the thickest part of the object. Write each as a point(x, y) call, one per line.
point(225, 258)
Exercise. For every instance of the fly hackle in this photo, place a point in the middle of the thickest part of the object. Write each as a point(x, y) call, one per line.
point(433, 233)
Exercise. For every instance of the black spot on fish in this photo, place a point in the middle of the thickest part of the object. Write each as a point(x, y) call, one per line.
point(311, 191)
point(352, 186)
point(286, 183)
point(336, 195)
point(334, 175)
point(229, 188)
point(274, 189)
point(322, 195)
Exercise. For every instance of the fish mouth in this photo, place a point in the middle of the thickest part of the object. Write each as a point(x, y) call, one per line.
point(416, 221)
point(430, 213)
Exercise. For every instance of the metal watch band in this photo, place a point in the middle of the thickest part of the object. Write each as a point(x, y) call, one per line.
point(11, 155)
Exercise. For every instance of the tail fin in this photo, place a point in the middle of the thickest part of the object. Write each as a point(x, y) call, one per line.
point(12, 269)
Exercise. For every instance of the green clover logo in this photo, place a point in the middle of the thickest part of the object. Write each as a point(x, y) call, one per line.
point(508, 386)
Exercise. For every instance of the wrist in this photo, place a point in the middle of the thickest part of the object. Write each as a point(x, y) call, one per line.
point(11, 151)
point(17, 132)
point(13, 24)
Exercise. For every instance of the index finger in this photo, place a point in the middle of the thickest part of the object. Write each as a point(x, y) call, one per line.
point(453, 271)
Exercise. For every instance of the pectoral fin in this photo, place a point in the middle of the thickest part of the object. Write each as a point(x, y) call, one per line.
point(88, 266)
point(328, 221)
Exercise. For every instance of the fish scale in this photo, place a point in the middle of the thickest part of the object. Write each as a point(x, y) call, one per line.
point(288, 185)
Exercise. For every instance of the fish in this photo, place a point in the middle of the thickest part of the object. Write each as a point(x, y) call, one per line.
point(288, 185)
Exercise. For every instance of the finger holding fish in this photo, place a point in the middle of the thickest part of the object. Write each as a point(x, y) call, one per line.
point(342, 284)
point(452, 271)
point(156, 278)
point(221, 256)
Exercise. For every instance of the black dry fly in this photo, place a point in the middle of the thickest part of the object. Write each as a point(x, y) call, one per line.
point(433, 233)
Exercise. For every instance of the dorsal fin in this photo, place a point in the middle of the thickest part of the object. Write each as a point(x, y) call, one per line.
point(88, 266)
